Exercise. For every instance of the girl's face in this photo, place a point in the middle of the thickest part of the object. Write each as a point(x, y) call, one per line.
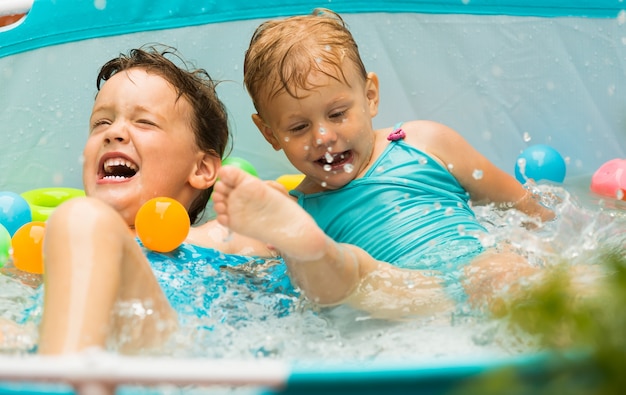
point(141, 144)
point(326, 132)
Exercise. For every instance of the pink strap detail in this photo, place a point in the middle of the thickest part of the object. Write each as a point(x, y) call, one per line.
point(396, 135)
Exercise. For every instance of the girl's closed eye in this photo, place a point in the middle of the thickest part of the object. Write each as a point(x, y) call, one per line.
point(338, 114)
point(298, 128)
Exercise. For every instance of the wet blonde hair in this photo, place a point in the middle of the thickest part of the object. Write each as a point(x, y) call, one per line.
point(284, 52)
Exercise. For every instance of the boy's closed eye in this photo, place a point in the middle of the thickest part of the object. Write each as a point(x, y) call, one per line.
point(100, 122)
point(146, 122)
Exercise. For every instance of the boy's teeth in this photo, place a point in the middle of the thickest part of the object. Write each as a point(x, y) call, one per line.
point(109, 163)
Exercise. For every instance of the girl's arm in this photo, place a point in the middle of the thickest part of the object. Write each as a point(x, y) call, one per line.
point(485, 182)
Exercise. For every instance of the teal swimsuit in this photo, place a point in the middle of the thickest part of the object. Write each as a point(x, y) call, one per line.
point(407, 210)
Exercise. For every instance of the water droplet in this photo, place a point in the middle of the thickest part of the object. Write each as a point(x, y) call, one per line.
point(437, 205)
point(611, 90)
point(450, 166)
point(521, 164)
point(329, 158)
point(422, 160)
point(100, 4)
point(397, 209)
point(526, 137)
point(380, 169)
point(318, 141)
point(449, 211)
point(324, 184)
point(286, 139)
point(348, 167)
point(461, 229)
point(477, 174)
point(306, 147)
point(327, 167)
point(322, 131)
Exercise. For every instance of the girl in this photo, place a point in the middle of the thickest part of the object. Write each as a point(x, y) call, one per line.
point(387, 222)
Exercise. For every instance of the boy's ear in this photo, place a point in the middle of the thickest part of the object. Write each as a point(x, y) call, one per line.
point(372, 93)
point(204, 174)
point(266, 131)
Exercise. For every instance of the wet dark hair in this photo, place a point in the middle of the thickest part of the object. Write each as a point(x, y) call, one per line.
point(210, 119)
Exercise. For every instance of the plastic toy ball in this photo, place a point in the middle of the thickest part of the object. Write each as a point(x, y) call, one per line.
point(540, 162)
point(28, 247)
point(5, 245)
point(610, 179)
point(242, 164)
point(290, 181)
point(14, 211)
point(162, 224)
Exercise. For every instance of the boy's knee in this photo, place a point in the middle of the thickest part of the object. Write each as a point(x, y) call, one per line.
point(84, 212)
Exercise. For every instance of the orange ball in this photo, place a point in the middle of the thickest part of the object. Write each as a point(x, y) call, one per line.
point(162, 224)
point(27, 244)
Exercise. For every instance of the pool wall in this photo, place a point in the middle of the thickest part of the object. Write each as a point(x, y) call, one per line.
point(505, 76)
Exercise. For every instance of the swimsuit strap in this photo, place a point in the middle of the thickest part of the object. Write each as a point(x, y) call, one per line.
point(397, 134)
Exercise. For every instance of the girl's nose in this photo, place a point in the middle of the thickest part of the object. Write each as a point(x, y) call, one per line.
point(324, 136)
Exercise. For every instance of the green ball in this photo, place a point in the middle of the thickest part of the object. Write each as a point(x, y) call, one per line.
point(240, 163)
point(5, 245)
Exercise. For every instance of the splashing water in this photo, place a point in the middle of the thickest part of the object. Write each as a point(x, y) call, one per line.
point(247, 309)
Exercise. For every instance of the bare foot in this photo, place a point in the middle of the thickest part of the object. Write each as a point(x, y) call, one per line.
point(251, 207)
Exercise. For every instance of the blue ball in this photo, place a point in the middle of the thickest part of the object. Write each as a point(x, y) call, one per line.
point(540, 163)
point(14, 211)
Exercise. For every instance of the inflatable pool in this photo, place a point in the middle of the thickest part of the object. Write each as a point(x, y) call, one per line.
point(507, 75)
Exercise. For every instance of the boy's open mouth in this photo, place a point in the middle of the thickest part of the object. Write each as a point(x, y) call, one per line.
point(118, 168)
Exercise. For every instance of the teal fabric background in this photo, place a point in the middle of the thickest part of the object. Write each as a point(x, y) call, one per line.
point(54, 22)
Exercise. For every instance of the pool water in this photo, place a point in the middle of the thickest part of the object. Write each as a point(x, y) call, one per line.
point(243, 308)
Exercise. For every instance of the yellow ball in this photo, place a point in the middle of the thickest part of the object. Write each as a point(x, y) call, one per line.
point(27, 243)
point(162, 224)
point(290, 181)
